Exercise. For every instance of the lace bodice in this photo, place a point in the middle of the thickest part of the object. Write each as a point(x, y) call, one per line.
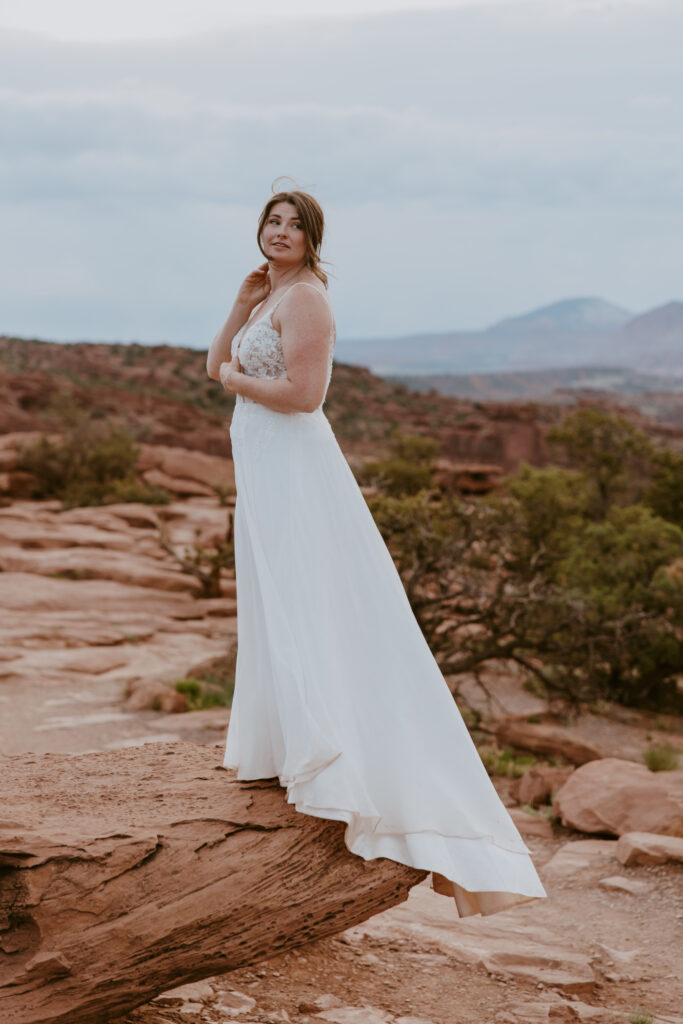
point(259, 348)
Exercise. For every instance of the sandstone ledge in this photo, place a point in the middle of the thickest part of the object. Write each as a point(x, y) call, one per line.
point(125, 873)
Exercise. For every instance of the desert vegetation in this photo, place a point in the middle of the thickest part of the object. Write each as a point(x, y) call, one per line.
point(573, 571)
point(91, 463)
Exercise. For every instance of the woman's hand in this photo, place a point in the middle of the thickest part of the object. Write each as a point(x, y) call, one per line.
point(228, 372)
point(255, 287)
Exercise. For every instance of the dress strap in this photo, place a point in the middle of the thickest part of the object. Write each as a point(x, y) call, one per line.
point(288, 290)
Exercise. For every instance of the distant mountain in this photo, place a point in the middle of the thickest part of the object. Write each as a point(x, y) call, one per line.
point(569, 315)
point(542, 384)
point(664, 322)
point(572, 333)
point(654, 340)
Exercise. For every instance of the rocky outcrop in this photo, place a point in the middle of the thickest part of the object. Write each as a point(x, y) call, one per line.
point(538, 784)
point(648, 848)
point(460, 477)
point(530, 824)
point(124, 874)
point(94, 611)
point(507, 944)
point(156, 695)
point(181, 471)
point(209, 471)
point(577, 856)
point(616, 796)
point(542, 738)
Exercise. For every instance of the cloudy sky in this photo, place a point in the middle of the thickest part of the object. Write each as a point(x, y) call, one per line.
point(474, 159)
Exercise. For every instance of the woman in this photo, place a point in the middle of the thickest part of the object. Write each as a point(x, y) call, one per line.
point(336, 691)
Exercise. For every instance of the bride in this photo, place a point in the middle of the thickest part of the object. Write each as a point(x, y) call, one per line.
point(337, 693)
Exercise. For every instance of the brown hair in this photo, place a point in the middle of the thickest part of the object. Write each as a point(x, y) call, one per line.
point(312, 222)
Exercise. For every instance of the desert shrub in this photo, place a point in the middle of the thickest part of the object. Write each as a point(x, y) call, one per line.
point(613, 455)
point(618, 561)
point(573, 572)
point(211, 687)
point(407, 470)
point(506, 762)
point(639, 1016)
point(395, 476)
point(223, 492)
point(665, 492)
point(590, 610)
point(661, 757)
point(93, 464)
point(205, 563)
point(201, 695)
point(552, 504)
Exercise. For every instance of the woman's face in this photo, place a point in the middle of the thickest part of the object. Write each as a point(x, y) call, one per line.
point(283, 238)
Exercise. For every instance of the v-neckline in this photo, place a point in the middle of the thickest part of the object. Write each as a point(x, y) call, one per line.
point(272, 309)
point(263, 316)
point(257, 319)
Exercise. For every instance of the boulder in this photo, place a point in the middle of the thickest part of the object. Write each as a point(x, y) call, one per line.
point(620, 883)
point(536, 786)
point(125, 874)
point(175, 484)
point(25, 592)
point(210, 470)
point(531, 824)
point(540, 738)
point(84, 563)
point(17, 484)
point(325, 1001)
point(355, 1015)
point(615, 796)
point(648, 848)
point(466, 477)
point(154, 695)
point(12, 441)
point(574, 857)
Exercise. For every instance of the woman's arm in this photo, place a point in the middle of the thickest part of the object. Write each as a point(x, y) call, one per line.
point(254, 289)
point(219, 349)
point(304, 321)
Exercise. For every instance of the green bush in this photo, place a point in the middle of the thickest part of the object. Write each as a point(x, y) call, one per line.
point(550, 506)
point(617, 562)
point(211, 688)
point(614, 456)
point(641, 1017)
point(665, 493)
point(662, 757)
point(591, 609)
point(93, 464)
point(506, 762)
point(407, 471)
point(395, 477)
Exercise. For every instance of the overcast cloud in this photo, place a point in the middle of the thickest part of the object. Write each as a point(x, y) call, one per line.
point(473, 163)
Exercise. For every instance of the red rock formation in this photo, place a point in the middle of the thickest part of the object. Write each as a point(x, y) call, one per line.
point(616, 796)
point(123, 874)
point(541, 738)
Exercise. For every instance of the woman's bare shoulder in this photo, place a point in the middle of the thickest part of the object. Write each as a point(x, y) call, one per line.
point(301, 300)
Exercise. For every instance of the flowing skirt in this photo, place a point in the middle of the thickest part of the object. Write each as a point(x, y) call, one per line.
point(336, 690)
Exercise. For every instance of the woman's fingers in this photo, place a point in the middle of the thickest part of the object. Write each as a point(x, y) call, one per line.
point(226, 371)
point(260, 271)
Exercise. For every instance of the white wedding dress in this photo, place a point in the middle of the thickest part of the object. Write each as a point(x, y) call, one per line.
point(336, 690)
